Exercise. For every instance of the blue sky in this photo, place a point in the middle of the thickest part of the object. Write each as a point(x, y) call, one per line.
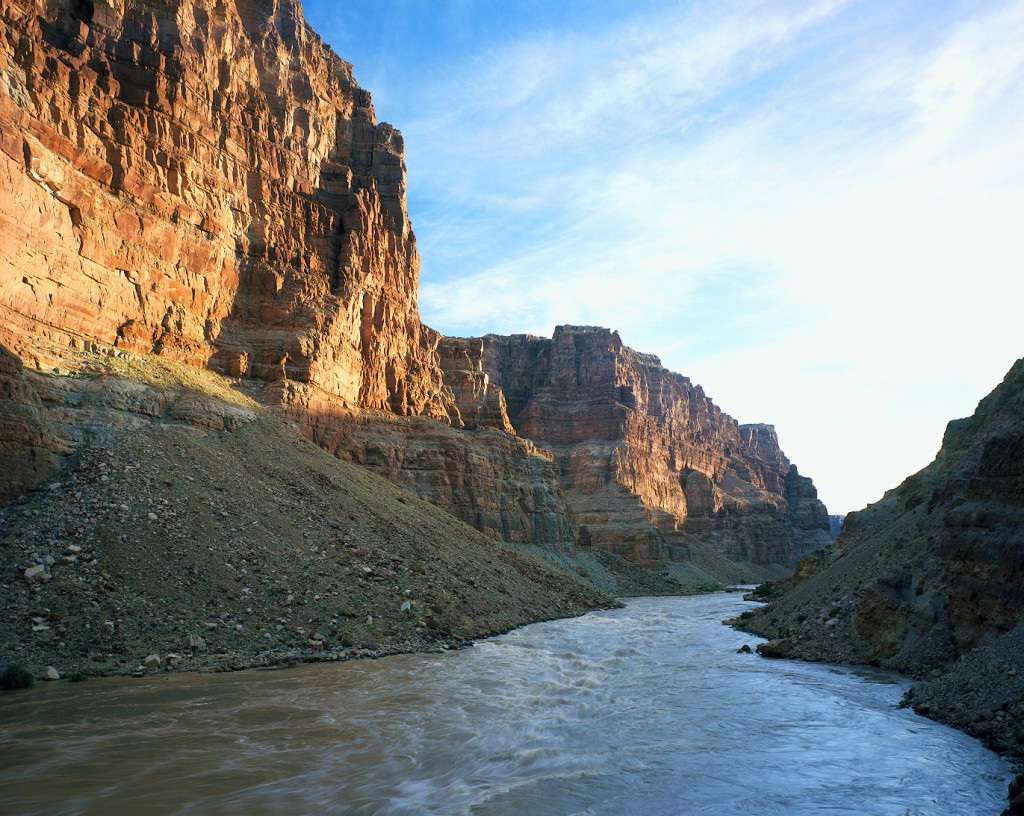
point(814, 209)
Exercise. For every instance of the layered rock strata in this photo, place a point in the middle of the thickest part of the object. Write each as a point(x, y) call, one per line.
point(195, 525)
point(648, 462)
point(926, 577)
point(31, 445)
point(205, 180)
point(500, 484)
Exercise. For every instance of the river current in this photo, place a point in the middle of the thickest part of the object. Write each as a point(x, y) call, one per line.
point(642, 710)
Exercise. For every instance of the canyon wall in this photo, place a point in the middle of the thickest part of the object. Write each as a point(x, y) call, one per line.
point(931, 576)
point(648, 462)
point(205, 181)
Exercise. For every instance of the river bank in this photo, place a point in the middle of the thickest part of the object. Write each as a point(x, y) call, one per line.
point(191, 528)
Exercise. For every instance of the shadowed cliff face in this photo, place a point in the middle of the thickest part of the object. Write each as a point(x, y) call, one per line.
point(30, 442)
point(932, 572)
point(205, 180)
point(648, 462)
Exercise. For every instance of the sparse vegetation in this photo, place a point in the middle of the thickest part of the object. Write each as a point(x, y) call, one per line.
point(247, 547)
point(16, 676)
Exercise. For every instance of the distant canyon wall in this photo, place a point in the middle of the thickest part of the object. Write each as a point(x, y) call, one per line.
point(648, 462)
point(204, 180)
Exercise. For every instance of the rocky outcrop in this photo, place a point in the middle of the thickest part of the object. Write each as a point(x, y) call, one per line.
point(648, 462)
point(500, 484)
point(206, 181)
point(479, 403)
point(931, 576)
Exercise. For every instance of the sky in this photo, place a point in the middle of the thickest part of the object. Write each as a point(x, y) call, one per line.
point(813, 209)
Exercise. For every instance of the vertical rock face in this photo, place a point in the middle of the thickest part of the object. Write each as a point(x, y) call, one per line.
point(503, 485)
point(206, 181)
point(647, 460)
point(478, 403)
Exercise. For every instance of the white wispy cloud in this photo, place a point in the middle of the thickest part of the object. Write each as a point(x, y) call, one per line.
point(811, 209)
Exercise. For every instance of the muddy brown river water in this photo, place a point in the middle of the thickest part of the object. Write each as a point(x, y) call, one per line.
point(642, 710)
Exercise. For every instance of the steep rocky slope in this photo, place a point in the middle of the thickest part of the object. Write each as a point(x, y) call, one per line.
point(205, 181)
point(930, 580)
point(191, 521)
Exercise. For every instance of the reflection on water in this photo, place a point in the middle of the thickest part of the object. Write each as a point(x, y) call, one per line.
point(643, 710)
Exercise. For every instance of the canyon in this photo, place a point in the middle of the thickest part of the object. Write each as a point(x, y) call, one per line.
point(227, 437)
point(206, 182)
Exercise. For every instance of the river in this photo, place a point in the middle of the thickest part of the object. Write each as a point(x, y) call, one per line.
point(642, 710)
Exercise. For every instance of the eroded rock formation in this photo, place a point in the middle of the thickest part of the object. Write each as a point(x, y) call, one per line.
point(31, 444)
point(648, 461)
point(204, 180)
point(501, 484)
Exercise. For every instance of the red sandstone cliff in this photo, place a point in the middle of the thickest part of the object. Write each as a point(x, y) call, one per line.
point(204, 180)
point(648, 462)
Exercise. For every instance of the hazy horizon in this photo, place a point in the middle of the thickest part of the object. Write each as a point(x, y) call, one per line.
point(810, 209)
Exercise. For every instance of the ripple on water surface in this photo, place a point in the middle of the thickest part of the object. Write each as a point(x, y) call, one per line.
point(642, 710)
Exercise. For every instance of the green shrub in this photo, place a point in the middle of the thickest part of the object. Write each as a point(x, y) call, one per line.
point(16, 677)
point(746, 614)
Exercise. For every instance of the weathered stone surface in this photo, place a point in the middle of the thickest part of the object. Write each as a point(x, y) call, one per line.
point(30, 443)
point(647, 460)
point(502, 485)
point(775, 648)
point(207, 182)
point(930, 579)
point(478, 402)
